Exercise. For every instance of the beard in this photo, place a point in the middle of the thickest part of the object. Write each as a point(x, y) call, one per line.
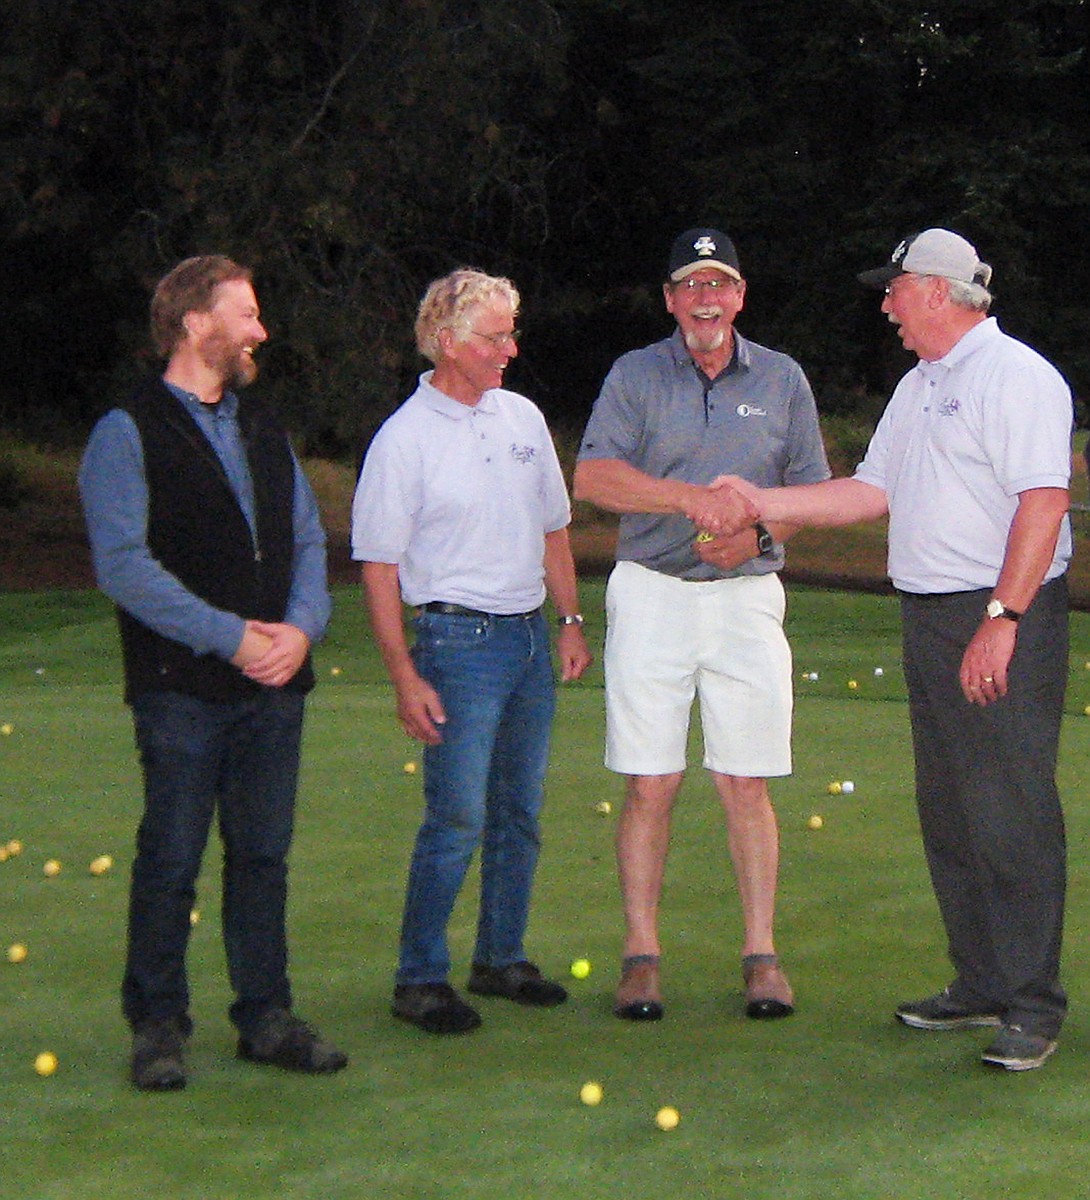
point(234, 364)
point(705, 343)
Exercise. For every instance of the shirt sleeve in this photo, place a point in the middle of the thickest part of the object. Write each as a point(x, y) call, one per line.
point(114, 492)
point(613, 430)
point(806, 458)
point(309, 603)
point(386, 500)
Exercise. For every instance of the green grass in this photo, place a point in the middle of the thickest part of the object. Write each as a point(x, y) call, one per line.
point(837, 1101)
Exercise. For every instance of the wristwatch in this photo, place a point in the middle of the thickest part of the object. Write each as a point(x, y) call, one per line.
point(765, 541)
point(574, 619)
point(996, 608)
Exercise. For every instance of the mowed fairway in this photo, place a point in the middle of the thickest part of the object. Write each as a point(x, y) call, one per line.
point(837, 1101)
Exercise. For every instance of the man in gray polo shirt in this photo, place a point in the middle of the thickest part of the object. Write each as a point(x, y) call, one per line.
point(971, 461)
point(692, 612)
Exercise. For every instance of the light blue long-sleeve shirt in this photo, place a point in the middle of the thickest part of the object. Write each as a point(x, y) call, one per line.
point(114, 491)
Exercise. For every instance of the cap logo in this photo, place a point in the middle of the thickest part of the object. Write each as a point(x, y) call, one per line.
point(901, 250)
point(704, 246)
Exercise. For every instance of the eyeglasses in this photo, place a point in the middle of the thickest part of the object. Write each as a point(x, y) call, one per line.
point(499, 339)
point(716, 285)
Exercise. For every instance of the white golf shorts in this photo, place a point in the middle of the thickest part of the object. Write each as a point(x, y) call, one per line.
point(669, 641)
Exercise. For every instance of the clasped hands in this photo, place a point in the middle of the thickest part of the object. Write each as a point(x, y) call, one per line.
point(271, 653)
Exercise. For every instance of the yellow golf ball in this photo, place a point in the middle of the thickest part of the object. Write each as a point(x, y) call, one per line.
point(45, 1063)
point(51, 867)
point(409, 768)
point(835, 788)
point(815, 822)
point(100, 865)
point(15, 847)
point(580, 968)
point(591, 1093)
point(16, 952)
point(194, 916)
point(667, 1117)
point(603, 808)
point(334, 670)
point(4, 855)
point(852, 685)
point(7, 729)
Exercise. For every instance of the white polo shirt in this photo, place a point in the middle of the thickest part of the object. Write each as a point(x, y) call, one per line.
point(960, 438)
point(460, 498)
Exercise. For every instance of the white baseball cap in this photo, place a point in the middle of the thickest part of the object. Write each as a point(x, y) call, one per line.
point(933, 252)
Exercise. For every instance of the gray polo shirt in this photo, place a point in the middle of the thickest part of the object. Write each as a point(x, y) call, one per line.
point(461, 498)
point(659, 413)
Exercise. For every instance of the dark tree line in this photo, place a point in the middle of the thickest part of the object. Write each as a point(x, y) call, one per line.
point(351, 150)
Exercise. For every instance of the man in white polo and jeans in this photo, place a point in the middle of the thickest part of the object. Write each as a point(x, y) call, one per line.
point(971, 460)
point(692, 614)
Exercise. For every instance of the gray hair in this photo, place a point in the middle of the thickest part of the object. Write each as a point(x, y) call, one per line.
point(973, 296)
point(449, 301)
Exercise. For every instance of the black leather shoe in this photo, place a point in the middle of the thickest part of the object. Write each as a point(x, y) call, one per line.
point(435, 1008)
point(284, 1040)
point(158, 1062)
point(521, 982)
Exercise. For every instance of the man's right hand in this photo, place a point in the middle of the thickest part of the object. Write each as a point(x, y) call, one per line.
point(420, 710)
point(721, 510)
point(253, 646)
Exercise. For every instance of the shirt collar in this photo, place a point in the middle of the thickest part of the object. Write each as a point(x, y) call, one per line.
point(447, 406)
point(225, 409)
point(739, 360)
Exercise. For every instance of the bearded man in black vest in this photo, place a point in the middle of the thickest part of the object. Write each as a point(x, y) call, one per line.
point(206, 535)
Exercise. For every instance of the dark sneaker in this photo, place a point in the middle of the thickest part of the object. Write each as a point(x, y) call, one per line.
point(638, 997)
point(158, 1062)
point(1015, 1050)
point(941, 1012)
point(435, 1008)
point(521, 982)
point(284, 1040)
point(768, 994)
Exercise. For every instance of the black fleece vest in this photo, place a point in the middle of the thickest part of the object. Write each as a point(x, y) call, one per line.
point(198, 531)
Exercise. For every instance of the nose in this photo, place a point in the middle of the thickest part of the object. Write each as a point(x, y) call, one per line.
point(261, 331)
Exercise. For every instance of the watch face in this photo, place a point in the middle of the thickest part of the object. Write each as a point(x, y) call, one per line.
point(995, 608)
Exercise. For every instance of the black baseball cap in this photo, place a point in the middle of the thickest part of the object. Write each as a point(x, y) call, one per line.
point(697, 248)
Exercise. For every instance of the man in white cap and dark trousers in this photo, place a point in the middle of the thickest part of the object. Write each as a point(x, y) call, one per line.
point(694, 614)
point(971, 461)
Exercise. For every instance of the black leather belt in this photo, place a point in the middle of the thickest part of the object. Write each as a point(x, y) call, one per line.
point(458, 610)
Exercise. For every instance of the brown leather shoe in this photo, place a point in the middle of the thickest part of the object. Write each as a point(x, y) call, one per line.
point(638, 997)
point(768, 994)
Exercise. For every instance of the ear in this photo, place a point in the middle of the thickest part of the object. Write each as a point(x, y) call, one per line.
point(196, 323)
point(668, 297)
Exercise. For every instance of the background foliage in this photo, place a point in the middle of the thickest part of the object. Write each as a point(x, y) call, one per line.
point(351, 150)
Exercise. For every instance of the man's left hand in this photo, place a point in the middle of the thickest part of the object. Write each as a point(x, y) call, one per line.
point(984, 665)
point(571, 648)
point(281, 662)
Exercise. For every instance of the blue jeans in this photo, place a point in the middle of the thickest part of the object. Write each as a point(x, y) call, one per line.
point(483, 785)
point(243, 758)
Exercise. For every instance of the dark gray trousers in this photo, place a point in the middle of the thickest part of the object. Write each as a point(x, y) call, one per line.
point(990, 813)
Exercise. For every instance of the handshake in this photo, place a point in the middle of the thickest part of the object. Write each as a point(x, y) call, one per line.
point(725, 514)
point(726, 507)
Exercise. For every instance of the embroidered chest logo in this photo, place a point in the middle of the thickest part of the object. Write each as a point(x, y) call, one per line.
point(523, 454)
point(949, 407)
point(751, 410)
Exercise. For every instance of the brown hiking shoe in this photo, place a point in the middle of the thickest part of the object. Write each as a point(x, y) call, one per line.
point(638, 997)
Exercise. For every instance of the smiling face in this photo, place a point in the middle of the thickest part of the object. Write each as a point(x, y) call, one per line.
point(227, 335)
point(472, 360)
point(705, 305)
